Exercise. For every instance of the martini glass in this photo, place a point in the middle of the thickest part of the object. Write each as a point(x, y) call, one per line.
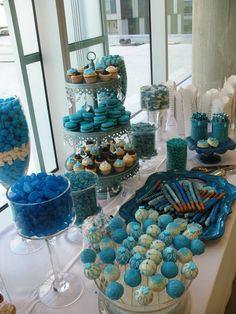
point(44, 221)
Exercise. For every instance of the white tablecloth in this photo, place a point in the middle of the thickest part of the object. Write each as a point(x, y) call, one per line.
point(209, 291)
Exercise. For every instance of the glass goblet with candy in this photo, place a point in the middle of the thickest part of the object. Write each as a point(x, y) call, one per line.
point(43, 212)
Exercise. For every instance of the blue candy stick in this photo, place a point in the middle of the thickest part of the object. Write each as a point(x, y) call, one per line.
point(174, 196)
point(184, 195)
point(179, 195)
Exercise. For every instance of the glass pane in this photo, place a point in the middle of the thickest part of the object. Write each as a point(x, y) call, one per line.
point(26, 22)
point(78, 58)
point(128, 28)
point(83, 19)
point(41, 113)
point(179, 21)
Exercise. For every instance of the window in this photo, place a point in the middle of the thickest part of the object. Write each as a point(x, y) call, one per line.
point(131, 39)
point(179, 20)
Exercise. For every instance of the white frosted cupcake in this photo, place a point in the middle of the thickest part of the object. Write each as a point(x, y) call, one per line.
point(128, 160)
point(105, 168)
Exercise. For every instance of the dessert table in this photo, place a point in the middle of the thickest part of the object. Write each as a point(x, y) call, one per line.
point(209, 292)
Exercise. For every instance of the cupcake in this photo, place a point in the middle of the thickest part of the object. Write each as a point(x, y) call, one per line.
point(99, 159)
point(128, 160)
point(71, 72)
point(120, 143)
point(70, 163)
point(91, 167)
point(105, 168)
point(93, 151)
point(113, 71)
point(119, 165)
point(105, 76)
point(112, 158)
point(120, 152)
point(78, 166)
point(77, 78)
point(133, 154)
point(90, 76)
point(87, 161)
point(99, 68)
point(78, 157)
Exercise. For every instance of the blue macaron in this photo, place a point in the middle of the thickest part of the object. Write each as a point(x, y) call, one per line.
point(87, 127)
point(107, 126)
point(100, 111)
point(114, 114)
point(71, 126)
point(88, 116)
point(124, 119)
point(100, 119)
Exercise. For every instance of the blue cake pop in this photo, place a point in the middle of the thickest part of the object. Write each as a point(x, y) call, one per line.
point(153, 214)
point(141, 214)
point(116, 223)
point(148, 222)
point(111, 272)
point(92, 271)
point(88, 256)
point(197, 247)
point(157, 282)
point(143, 295)
point(94, 235)
point(129, 227)
point(189, 270)
point(145, 240)
point(164, 220)
point(173, 228)
point(132, 277)
point(139, 249)
point(169, 269)
point(154, 255)
point(184, 255)
point(169, 254)
point(175, 288)
point(107, 255)
point(147, 267)
point(114, 290)
point(119, 235)
point(136, 232)
point(158, 245)
point(182, 223)
point(107, 242)
point(181, 241)
point(166, 237)
point(129, 243)
point(122, 255)
point(153, 230)
point(136, 260)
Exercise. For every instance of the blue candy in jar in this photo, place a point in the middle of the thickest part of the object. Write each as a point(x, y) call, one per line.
point(41, 205)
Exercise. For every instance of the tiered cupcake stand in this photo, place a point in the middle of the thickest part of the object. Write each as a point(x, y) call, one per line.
point(110, 185)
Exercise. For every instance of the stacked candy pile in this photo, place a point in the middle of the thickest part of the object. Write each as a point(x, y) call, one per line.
point(153, 255)
point(83, 186)
point(14, 141)
point(155, 97)
point(41, 204)
point(144, 139)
